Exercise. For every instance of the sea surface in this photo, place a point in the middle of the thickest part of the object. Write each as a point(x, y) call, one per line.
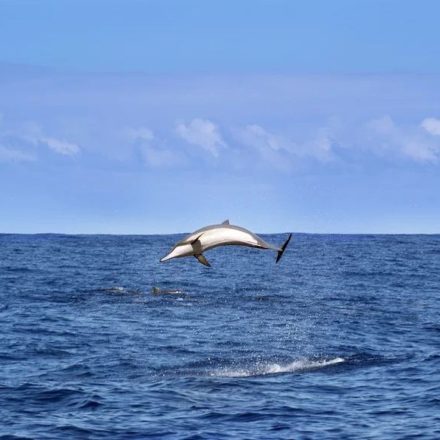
point(341, 339)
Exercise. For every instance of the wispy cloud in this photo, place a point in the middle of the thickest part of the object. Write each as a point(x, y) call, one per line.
point(31, 135)
point(159, 157)
point(256, 136)
point(431, 125)
point(139, 134)
point(281, 150)
point(272, 149)
point(153, 154)
point(60, 146)
point(388, 138)
point(202, 133)
point(14, 155)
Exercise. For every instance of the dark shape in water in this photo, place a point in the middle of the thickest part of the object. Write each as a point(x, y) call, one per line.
point(159, 291)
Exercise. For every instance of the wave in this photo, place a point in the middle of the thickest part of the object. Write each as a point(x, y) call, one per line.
point(262, 369)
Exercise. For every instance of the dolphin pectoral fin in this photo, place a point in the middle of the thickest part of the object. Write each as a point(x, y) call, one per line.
point(202, 260)
point(192, 242)
point(283, 248)
point(197, 246)
point(226, 222)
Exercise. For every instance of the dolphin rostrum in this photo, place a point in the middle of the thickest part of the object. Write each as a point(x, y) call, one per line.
point(219, 235)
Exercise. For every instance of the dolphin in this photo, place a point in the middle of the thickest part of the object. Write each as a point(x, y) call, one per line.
point(223, 234)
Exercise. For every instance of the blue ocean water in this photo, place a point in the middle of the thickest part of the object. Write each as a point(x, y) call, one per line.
point(339, 340)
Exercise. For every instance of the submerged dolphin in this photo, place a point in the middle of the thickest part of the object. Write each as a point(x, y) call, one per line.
point(219, 235)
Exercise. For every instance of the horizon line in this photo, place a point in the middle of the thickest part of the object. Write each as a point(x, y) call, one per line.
point(180, 233)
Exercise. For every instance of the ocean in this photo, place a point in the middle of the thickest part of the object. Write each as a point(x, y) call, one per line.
point(339, 340)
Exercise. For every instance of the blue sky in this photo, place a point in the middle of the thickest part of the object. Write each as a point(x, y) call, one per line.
point(163, 116)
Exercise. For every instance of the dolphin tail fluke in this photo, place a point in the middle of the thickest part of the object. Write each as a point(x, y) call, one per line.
point(202, 259)
point(283, 248)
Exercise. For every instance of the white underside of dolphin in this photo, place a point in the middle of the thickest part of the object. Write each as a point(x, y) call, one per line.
point(213, 236)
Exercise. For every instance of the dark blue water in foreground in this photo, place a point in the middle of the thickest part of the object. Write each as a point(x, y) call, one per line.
point(339, 340)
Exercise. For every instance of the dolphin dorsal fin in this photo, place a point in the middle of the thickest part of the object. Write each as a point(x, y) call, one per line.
point(226, 222)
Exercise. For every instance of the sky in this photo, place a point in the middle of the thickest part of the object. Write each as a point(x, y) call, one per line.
point(141, 117)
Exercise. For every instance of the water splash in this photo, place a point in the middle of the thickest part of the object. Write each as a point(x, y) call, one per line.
point(262, 369)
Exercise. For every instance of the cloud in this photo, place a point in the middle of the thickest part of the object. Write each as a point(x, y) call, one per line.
point(272, 149)
point(421, 151)
point(139, 134)
point(60, 146)
point(257, 137)
point(13, 155)
point(202, 133)
point(381, 137)
point(152, 154)
point(33, 134)
point(159, 157)
point(281, 150)
point(384, 126)
point(30, 134)
point(385, 137)
point(432, 126)
point(322, 145)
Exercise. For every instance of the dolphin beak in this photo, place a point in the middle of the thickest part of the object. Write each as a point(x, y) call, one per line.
point(176, 252)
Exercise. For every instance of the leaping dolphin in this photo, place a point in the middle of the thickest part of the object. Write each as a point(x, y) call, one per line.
point(219, 235)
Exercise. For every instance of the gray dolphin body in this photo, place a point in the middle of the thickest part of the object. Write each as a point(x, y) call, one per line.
point(213, 236)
